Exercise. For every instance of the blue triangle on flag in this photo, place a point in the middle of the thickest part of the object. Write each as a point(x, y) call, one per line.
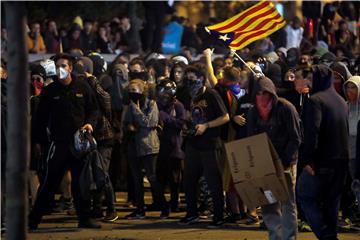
point(224, 38)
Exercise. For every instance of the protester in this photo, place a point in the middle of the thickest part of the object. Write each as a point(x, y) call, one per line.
point(207, 114)
point(103, 133)
point(348, 200)
point(65, 106)
point(294, 33)
point(171, 156)
point(325, 155)
point(142, 124)
point(230, 92)
point(279, 119)
point(51, 38)
point(141, 120)
point(35, 41)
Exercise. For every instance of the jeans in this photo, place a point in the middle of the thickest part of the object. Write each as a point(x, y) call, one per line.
point(319, 198)
point(281, 218)
point(149, 164)
point(197, 164)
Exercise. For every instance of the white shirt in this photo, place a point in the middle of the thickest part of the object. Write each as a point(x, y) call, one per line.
point(294, 37)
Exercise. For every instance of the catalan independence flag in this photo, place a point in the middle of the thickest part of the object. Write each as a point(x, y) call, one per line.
point(256, 22)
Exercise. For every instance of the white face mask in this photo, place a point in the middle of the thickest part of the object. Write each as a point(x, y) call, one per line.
point(62, 73)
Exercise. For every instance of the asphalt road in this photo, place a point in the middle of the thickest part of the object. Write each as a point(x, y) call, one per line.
point(63, 226)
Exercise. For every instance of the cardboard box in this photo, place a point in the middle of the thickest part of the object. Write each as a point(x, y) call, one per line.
point(257, 171)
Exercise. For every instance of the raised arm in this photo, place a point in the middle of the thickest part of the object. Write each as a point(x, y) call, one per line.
point(209, 68)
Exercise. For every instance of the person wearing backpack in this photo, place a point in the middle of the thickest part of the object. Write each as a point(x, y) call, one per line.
point(104, 135)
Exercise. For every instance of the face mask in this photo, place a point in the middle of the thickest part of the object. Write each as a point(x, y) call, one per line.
point(135, 97)
point(62, 73)
point(264, 106)
point(234, 88)
point(138, 75)
point(38, 87)
point(194, 87)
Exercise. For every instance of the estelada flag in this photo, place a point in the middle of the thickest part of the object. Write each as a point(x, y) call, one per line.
point(256, 22)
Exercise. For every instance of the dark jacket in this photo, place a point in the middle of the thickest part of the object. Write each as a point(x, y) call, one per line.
point(64, 109)
point(244, 106)
point(228, 132)
point(282, 127)
point(325, 124)
point(172, 120)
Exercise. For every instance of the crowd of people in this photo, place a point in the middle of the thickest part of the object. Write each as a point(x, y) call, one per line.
point(167, 118)
point(333, 24)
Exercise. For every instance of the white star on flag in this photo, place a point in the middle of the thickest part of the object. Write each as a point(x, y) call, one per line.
point(224, 37)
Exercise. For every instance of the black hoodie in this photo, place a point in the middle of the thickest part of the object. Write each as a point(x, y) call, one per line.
point(325, 124)
point(282, 127)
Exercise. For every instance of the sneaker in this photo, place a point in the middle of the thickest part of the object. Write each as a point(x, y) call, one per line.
point(206, 214)
point(63, 205)
point(165, 213)
point(216, 224)
point(304, 227)
point(344, 223)
point(88, 223)
point(111, 217)
point(137, 214)
point(252, 220)
point(187, 220)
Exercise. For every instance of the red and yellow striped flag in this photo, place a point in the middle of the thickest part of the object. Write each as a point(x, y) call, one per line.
point(254, 23)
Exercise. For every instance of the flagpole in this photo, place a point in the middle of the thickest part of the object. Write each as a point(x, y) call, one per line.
point(234, 52)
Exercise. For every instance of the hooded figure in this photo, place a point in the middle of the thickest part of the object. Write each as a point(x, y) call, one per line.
point(279, 119)
point(99, 64)
point(273, 115)
point(352, 94)
point(38, 77)
point(341, 74)
point(324, 155)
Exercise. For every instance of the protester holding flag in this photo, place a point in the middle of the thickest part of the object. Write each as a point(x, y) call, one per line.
point(231, 93)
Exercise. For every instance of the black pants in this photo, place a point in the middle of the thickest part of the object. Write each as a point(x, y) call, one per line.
point(348, 199)
point(60, 159)
point(319, 197)
point(169, 173)
point(197, 164)
point(147, 162)
point(108, 190)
